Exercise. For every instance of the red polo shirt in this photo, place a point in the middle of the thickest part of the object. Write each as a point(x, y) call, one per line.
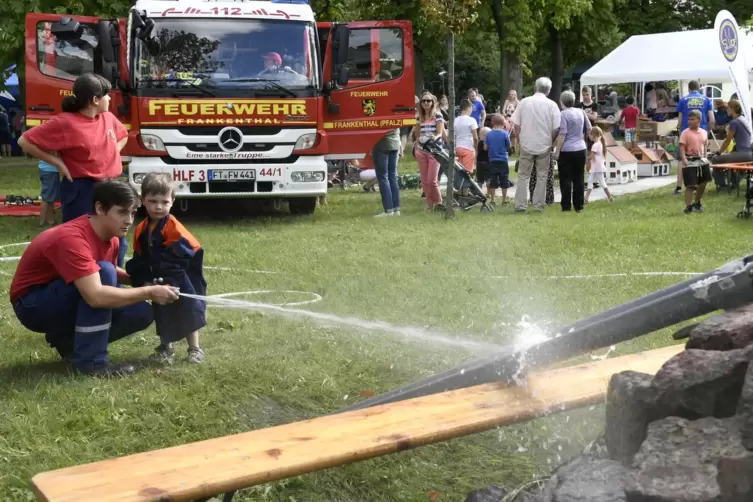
point(87, 146)
point(69, 251)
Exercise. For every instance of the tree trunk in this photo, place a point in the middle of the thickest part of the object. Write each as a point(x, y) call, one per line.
point(449, 199)
point(418, 70)
point(557, 63)
point(503, 56)
point(514, 74)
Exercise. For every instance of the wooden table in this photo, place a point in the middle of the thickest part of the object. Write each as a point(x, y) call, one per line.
point(747, 168)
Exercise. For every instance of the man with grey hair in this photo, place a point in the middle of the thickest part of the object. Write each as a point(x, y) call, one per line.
point(537, 124)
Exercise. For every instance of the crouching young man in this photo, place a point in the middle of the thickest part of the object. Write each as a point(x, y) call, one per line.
point(66, 282)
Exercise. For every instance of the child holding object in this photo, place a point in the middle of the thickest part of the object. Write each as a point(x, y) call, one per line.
point(693, 149)
point(164, 251)
point(596, 163)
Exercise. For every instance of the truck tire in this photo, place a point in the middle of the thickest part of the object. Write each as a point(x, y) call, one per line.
point(302, 205)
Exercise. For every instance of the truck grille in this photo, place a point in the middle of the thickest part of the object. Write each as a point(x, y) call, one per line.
point(175, 162)
point(232, 187)
point(209, 147)
point(215, 130)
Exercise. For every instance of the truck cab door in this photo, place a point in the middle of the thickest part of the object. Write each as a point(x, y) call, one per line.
point(61, 48)
point(379, 94)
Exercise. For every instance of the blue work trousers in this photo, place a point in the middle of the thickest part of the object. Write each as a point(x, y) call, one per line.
point(76, 329)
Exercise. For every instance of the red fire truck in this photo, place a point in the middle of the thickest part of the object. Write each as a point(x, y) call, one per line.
point(236, 99)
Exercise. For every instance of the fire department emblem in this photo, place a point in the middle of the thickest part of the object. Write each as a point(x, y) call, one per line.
point(369, 107)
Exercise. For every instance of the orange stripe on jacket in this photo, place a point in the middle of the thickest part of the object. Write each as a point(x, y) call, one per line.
point(137, 236)
point(173, 231)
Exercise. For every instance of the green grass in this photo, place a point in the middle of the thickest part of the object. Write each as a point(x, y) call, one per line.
point(414, 270)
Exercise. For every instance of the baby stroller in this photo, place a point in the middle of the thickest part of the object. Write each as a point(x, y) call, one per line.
point(462, 179)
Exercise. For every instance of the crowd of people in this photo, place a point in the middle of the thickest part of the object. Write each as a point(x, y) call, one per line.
point(546, 134)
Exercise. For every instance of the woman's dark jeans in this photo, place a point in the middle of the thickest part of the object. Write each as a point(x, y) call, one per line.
point(385, 164)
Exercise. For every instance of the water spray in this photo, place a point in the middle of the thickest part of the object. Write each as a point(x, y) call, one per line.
point(411, 333)
point(727, 287)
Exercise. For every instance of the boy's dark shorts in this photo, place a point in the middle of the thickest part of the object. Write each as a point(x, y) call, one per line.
point(498, 174)
point(404, 131)
point(692, 176)
point(482, 171)
point(50, 186)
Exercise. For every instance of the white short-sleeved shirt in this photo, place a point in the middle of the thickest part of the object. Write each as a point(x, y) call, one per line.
point(538, 118)
point(464, 126)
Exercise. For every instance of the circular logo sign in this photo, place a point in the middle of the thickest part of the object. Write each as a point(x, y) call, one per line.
point(231, 139)
point(728, 40)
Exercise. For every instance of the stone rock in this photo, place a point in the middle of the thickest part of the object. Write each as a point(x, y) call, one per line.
point(683, 333)
point(492, 493)
point(587, 479)
point(627, 414)
point(678, 461)
point(735, 479)
point(745, 409)
point(700, 383)
point(728, 331)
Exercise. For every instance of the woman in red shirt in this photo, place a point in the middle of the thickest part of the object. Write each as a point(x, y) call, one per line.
point(87, 140)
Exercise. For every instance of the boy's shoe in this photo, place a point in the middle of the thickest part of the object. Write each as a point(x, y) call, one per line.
point(164, 353)
point(195, 356)
point(383, 215)
point(396, 213)
point(678, 191)
point(697, 207)
point(688, 210)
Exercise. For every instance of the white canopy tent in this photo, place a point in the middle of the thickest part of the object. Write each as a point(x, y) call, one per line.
point(681, 55)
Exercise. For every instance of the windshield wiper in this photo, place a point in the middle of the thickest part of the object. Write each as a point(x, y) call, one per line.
point(180, 80)
point(271, 83)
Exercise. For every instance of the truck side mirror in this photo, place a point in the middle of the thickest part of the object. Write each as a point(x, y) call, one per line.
point(108, 62)
point(66, 29)
point(146, 31)
point(342, 76)
point(341, 41)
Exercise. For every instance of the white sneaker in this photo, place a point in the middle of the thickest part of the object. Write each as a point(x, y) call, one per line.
point(396, 213)
point(382, 215)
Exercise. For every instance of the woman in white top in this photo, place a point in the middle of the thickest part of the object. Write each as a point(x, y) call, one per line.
point(507, 109)
point(596, 162)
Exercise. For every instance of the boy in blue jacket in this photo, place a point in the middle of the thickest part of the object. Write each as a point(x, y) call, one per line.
point(165, 252)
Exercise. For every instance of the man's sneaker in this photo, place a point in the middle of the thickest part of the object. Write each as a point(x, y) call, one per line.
point(678, 191)
point(195, 356)
point(383, 215)
point(688, 210)
point(109, 370)
point(164, 354)
point(697, 207)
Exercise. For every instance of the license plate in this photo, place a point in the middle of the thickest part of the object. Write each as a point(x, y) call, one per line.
point(231, 174)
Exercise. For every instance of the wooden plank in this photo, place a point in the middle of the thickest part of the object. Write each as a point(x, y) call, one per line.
point(206, 468)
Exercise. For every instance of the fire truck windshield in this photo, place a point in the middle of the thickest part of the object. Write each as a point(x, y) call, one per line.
point(227, 54)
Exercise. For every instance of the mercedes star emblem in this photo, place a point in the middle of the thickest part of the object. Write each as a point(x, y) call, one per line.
point(231, 139)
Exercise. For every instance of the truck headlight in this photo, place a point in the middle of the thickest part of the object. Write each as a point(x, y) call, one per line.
point(307, 176)
point(305, 141)
point(139, 178)
point(153, 143)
